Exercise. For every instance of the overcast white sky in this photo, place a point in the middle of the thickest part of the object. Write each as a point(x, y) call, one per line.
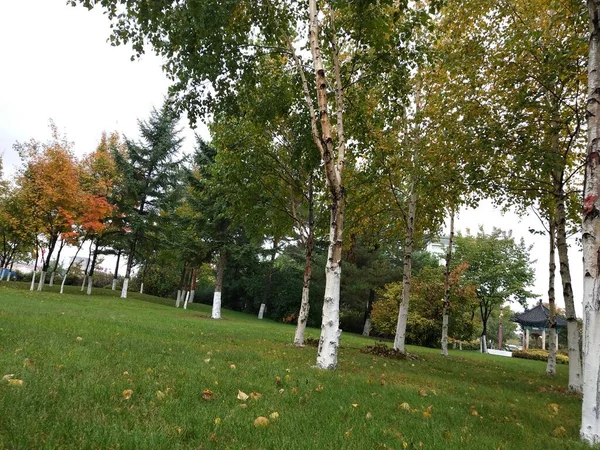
point(57, 64)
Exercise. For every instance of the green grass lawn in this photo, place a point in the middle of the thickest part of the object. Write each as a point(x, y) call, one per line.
point(72, 392)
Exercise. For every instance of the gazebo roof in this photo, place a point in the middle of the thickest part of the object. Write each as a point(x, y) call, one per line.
point(537, 317)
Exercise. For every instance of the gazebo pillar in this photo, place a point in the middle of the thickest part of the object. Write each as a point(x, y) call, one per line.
point(526, 344)
point(544, 339)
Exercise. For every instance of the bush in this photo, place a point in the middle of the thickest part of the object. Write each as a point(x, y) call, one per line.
point(540, 355)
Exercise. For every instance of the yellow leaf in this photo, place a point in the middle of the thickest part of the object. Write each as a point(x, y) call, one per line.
point(242, 396)
point(15, 382)
point(423, 393)
point(474, 413)
point(274, 415)
point(405, 406)
point(217, 421)
point(243, 406)
point(277, 381)
point(355, 405)
point(8, 376)
point(553, 408)
point(160, 395)
point(288, 378)
point(281, 391)
point(125, 374)
point(369, 416)
point(127, 393)
point(79, 339)
point(319, 388)
point(255, 395)
point(261, 422)
point(232, 367)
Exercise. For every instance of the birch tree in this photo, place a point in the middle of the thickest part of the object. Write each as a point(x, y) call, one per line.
point(590, 420)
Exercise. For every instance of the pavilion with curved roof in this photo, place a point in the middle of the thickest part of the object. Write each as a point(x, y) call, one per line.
point(535, 321)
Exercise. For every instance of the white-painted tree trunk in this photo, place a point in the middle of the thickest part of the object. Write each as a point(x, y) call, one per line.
point(125, 286)
point(216, 307)
point(192, 295)
point(90, 284)
point(483, 344)
point(83, 282)
point(2, 274)
point(178, 299)
point(32, 287)
point(62, 284)
point(551, 364)
point(368, 326)
point(42, 280)
point(302, 318)
point(114, 284)
point(142, 288)
point(261, 311)
point(51, 283)
point(187, 297)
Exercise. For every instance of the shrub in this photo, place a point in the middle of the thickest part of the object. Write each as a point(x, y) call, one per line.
point(540, 355)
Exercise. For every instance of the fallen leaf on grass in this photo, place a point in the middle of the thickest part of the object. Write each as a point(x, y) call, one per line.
point(79, 339)
point(405, 406)
point(559, 432)
point(294, 389)
point(261, 422)
point(242, 396)
point(217, 421)
point(207, 395)
point(474, 413)
point(127, 393)
point(232, 366)
point(553, 408)
point(281, 391)
point(319, 388)
point(255, 395)
point(427, 412)
point(274, 415)
point(355, 405)
point(15, 382)
point(277, 381)
point(207, 360)
point(243, 406)
point(27, 362)
point(125, 374)
point(8, 376)
point(422, 392)
point(369, 416)
point(288, 378)
point(160, 395)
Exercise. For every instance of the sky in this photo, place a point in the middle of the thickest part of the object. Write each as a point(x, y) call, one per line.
point(58, 65)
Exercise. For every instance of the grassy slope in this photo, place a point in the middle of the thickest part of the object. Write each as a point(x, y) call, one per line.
point(72, 396)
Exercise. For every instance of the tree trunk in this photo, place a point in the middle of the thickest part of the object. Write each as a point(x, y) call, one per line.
point(551, 366)
point(10, 271)
point(216, 307)
point(32, 287)
point(400, 337)
point(323, 139)
point(92, 268)
point(142, 288)
point(187, 298)
point(60, 248)
point(367, 326)
point(446, 307)
point(304, 303)
point(178, 299)
point(90, 284)
point(590, 421)
point(116, 275)
point(62, 285)
point(130, 259)
point(575, 378)
point(268, 279)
